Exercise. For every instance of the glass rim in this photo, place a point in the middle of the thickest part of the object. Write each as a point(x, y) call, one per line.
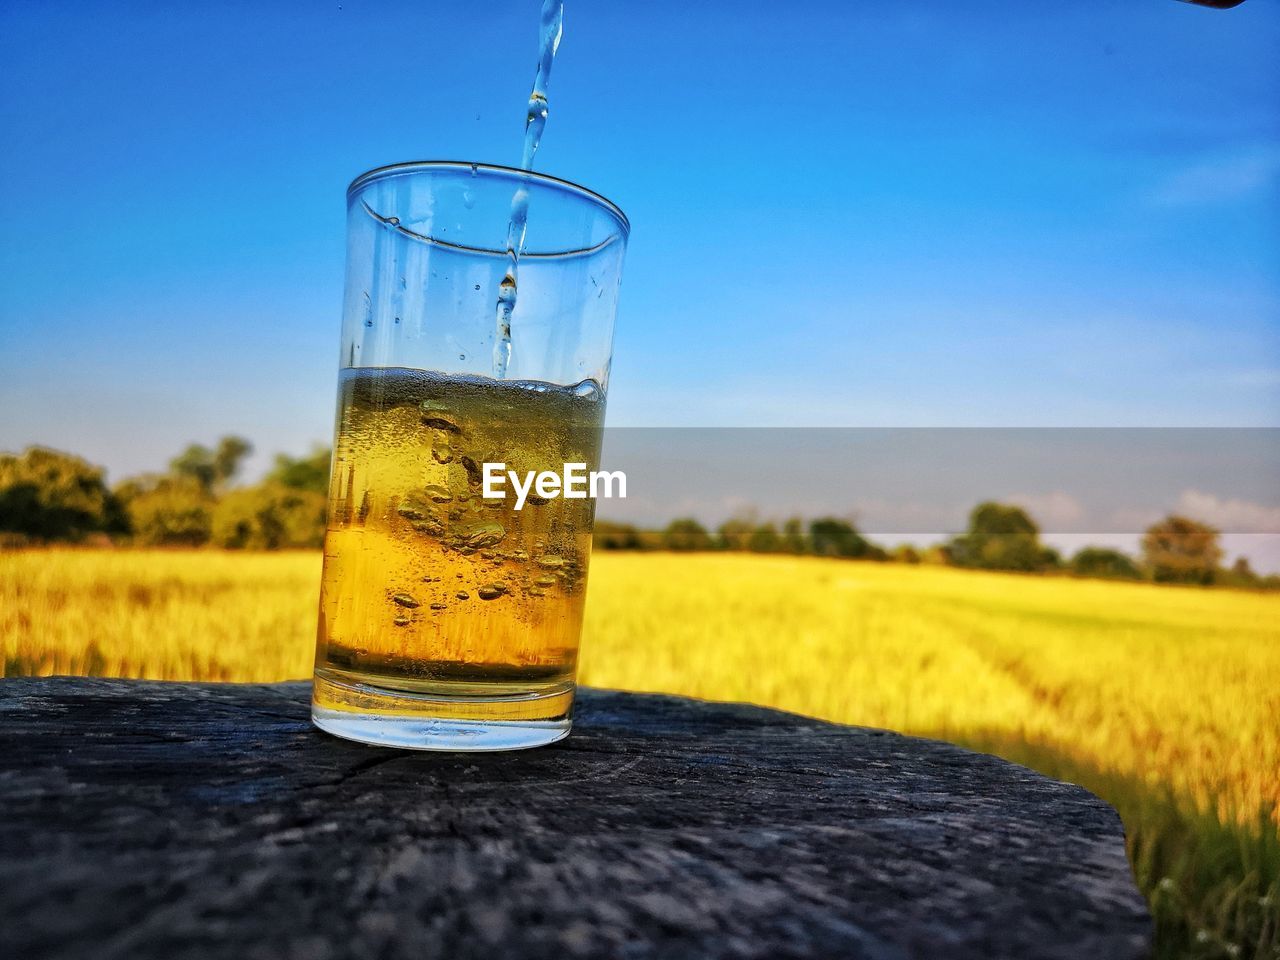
point(512, 173)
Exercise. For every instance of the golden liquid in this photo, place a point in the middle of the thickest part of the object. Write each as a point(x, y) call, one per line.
point(434, 600)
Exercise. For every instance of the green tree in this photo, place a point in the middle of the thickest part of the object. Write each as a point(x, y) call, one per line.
point(49, 495)
point(167, 510)
point(1241, 574)
point(212, 469)
point(1001, 537)
point(830, 537)
point(906, 553)
point(765, 539)
point(793, 536)
point(1181, 550)
point(735, 533)
point(310, 472)
point(615, 536)
point(686, 534)
point(270, 516)
point(1104, 563)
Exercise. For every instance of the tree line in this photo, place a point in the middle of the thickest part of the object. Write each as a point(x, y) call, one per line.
point(999, 536)
point(47, 496)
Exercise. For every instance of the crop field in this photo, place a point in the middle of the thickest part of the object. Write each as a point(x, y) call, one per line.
point(1165, 701)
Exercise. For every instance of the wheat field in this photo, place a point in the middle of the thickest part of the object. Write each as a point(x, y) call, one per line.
point(1165, 701)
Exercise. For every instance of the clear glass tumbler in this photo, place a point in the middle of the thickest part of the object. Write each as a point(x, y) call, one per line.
point(448, 620)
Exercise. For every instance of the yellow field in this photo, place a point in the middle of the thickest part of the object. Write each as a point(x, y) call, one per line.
point(1166, 701)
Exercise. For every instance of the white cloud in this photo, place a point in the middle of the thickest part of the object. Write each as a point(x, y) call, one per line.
point(1051, 511)
point(1240, 516)
point(1220, 179)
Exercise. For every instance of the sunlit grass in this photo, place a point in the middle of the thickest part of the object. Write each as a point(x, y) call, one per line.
point(1165, 701)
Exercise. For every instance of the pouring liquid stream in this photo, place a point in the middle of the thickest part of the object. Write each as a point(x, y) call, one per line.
point(551, 27)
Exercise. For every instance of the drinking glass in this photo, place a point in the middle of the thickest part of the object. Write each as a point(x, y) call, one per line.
point(448, 620)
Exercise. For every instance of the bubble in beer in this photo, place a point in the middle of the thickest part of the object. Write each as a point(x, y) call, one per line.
point(437, 493)
point(410, 512)
point(588, 390)
point(481, 535)
point(405, 600)
point(462, 595)
point(474, 474)
point(435, 421)
point(551, 561)
point(489, 592)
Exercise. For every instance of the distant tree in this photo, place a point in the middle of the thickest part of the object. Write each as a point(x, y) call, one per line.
point(906, 553)
point(1181, 550)
point(310, 472)
point(167, 510)
point(1241, 574)
point(735, 533)
point(793, 536)
point(830, 537)
point(269, 516)
point(1001, 537)
point(615, 536)
point(1104, 563)
point(1242, 568)
point(49, 495)
point(211, 469)
point(765, 539)
point(651, 539)
point(228, 455)
point(686, 534)
point(195, 464)
point(936, 554)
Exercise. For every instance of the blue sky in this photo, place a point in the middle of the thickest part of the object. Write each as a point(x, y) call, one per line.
point(923, 214)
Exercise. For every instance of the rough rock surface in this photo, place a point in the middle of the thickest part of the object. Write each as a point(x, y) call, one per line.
point(143, 819)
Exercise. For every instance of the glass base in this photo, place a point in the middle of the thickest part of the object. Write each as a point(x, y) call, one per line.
point(421, 733)
point(357, 710)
